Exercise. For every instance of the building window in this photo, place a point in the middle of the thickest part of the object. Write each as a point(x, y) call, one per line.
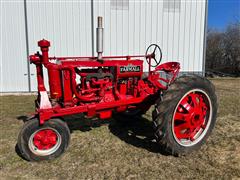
point(119, 4)
point(172, 5)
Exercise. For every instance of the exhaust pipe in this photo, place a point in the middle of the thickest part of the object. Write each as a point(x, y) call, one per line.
point(100, 39)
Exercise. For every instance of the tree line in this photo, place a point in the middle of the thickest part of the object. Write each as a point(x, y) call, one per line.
point(223, 50)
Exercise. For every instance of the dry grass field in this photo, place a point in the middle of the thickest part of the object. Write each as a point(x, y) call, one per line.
point(113, 150)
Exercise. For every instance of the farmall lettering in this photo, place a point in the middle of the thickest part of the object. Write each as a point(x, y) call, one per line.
point(130, 68)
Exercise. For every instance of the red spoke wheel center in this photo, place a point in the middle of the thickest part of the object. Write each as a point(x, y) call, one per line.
point(191, 116)
point(45, 139)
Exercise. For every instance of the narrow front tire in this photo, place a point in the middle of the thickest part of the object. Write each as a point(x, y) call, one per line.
point(43, 142)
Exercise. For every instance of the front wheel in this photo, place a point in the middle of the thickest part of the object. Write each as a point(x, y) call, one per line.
point(44, 142)
point(186, 115)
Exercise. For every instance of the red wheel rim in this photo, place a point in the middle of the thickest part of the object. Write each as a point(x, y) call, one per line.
point(45, 139)
point(191, 117)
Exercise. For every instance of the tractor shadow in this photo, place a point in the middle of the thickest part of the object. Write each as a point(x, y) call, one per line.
point(22, 118)
point(136, 131)
point(80, 123)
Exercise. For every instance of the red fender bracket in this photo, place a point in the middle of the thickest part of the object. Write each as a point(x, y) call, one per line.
point(44, 115)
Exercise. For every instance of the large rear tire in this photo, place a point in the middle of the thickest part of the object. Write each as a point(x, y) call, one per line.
point(44, 142)
point(185, 115)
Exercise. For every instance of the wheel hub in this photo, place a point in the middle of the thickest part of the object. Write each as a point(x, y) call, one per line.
point(45, 139)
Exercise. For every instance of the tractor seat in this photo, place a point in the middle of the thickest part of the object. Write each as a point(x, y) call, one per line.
point(168, 67)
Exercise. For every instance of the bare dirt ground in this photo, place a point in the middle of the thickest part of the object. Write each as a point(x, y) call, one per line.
point(112, 150)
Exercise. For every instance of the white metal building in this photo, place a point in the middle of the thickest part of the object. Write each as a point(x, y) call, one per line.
point(177, 26)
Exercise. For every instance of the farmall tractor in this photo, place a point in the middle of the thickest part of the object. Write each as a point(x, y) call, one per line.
point(184, 112)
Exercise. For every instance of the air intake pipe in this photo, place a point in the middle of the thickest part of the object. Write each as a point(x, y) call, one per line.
point(100, 39)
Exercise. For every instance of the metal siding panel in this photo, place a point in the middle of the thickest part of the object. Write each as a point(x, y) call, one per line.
point(154, 23)
point(202, 38)
point(160, 24)
point(182, 35)
point(165, 32)
point(170, 39)
point(176, 34)
point(137, 27)
point(125, 31)
point(143, 29)
point(88, 28)
point(153, 26)
point(172, 26)
point(1, 48)
point(107, 28)
point(199, 37)
point(113, 34)
point(131, 27)
point(148, 28)
point(192, 37)
point(187, 36)
point(119, 32)
point(13, 69)
point(67, 24)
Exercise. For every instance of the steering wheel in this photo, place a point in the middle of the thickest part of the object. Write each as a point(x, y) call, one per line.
point(151, 52)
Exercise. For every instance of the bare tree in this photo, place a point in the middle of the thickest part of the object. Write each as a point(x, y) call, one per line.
point(232, 46)
point(215, 48)
point(223, 49)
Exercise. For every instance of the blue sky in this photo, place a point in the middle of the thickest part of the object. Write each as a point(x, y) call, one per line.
point(222, 12)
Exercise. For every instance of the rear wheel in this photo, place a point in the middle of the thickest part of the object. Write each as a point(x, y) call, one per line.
point(186, 115)
point(43, 142)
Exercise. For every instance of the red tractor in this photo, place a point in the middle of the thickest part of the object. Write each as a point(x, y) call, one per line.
point(183, 117)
